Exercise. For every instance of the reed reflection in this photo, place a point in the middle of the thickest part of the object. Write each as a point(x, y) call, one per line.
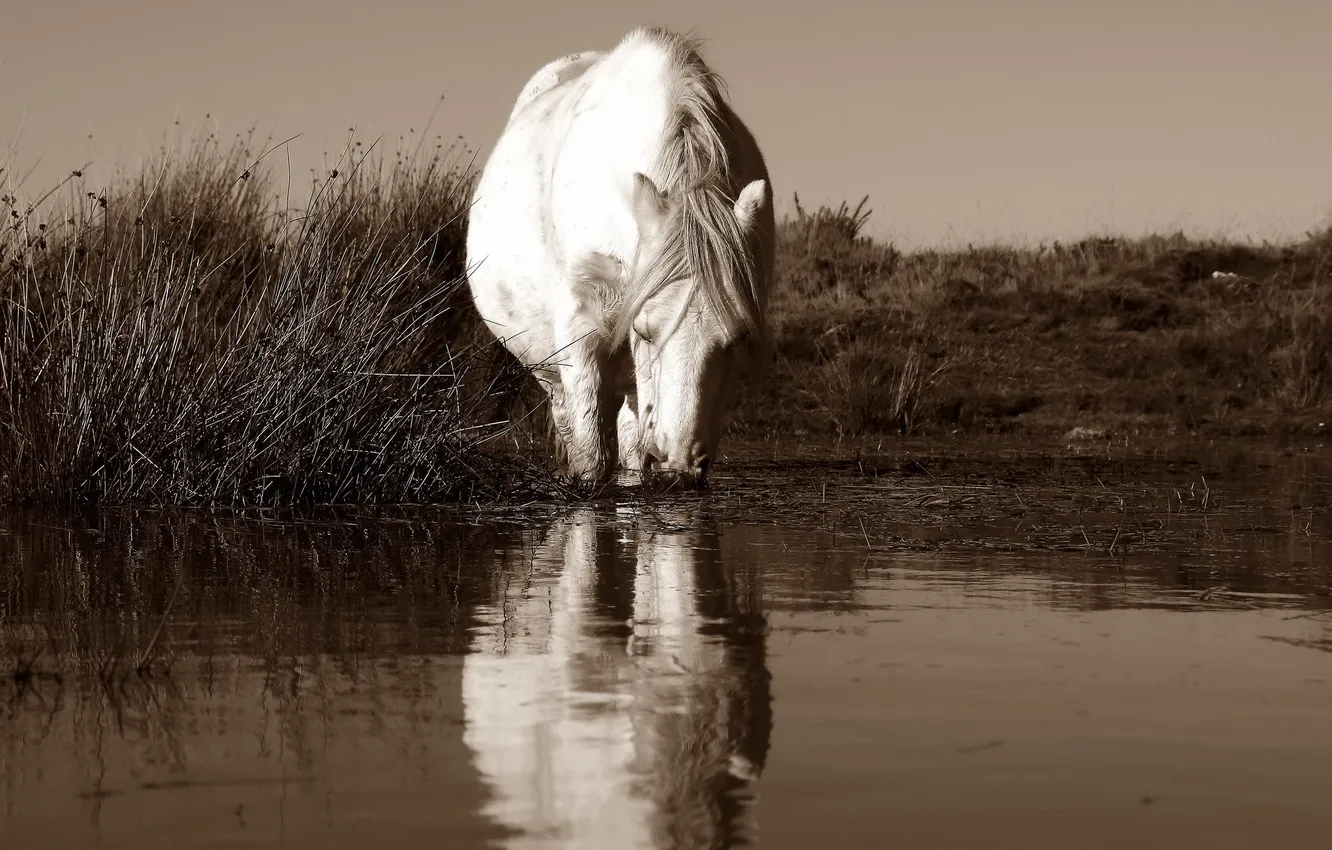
point(616, 692)
point(273, 677)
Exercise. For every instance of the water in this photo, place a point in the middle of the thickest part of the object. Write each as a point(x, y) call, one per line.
point(963, 647)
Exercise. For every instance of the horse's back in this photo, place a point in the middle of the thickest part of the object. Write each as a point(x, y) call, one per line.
point(506, 214)
point(552, 190)
point(553, 75)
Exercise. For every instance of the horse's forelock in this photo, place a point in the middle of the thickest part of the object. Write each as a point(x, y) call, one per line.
point(702, 239)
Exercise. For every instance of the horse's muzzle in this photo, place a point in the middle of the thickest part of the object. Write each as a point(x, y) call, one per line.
point(667, 477)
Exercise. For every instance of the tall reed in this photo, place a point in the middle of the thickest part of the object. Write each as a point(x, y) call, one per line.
point(185, 337)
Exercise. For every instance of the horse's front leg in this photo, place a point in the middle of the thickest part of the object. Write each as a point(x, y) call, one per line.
point(589, 417)
point(626, 427)
point(559, 417)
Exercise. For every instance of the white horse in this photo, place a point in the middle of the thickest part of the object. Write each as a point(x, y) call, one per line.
point(622, 188)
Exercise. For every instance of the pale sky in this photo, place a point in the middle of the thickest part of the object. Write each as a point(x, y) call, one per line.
point(961, 119)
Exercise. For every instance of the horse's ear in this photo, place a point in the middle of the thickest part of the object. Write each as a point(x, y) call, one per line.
point(649, 202)
point(751, 200)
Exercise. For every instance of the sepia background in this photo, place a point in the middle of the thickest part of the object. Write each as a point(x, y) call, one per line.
point(961, 119)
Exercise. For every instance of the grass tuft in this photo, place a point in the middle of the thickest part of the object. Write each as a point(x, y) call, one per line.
point(183, 338)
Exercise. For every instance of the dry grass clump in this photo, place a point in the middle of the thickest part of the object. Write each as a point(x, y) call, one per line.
point(823, 255)
point(184, 337)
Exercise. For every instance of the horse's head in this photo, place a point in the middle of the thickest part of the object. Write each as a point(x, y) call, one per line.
point(688, 358)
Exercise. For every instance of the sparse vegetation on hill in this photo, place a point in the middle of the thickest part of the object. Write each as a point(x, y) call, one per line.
point(1156, 335)
point(186, 337)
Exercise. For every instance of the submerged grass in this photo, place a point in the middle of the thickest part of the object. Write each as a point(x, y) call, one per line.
point(184, 338)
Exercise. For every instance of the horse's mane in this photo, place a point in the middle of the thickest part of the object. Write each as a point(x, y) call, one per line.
point(702, 238)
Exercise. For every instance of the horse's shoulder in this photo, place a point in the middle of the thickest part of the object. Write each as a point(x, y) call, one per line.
point(553, 75)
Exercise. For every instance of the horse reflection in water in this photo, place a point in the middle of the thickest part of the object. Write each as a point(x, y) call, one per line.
point(617, 695)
